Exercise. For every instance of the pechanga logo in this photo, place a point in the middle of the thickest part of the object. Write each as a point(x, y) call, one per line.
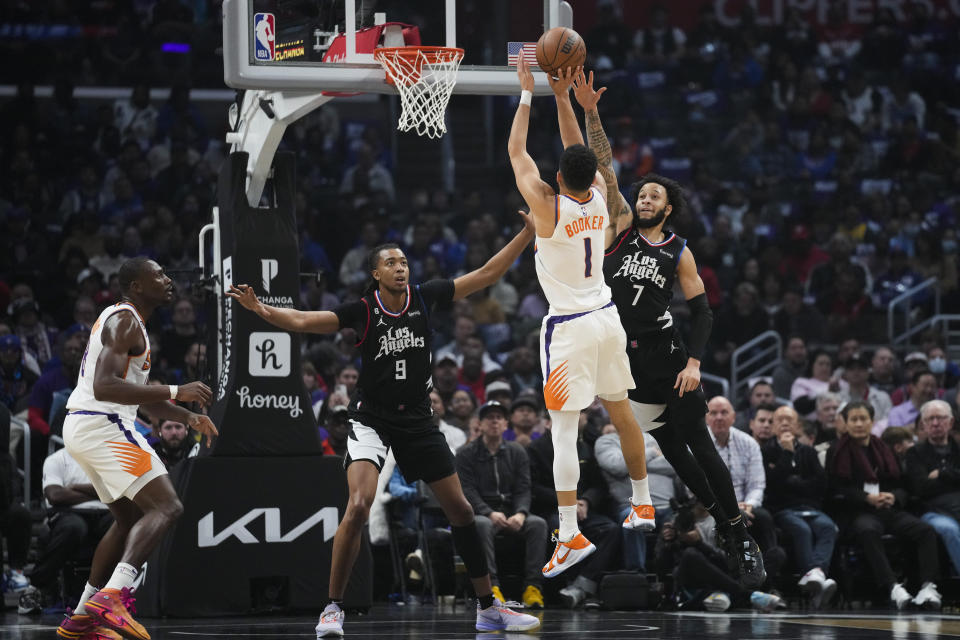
point(397, 340)
point(258, 401)
point(268, 271)
point(641, 267)
point(227, 328)
point(206, 537)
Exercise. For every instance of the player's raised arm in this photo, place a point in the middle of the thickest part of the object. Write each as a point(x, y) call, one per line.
point(569, 127)
point(497, 265)
point(289, 319)
point(617, 206)
point(538, 195)
point(701, 321)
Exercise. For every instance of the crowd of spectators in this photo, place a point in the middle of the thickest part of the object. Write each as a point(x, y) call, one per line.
point(821, 163)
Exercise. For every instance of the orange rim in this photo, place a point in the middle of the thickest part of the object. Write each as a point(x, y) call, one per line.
point(431, 55)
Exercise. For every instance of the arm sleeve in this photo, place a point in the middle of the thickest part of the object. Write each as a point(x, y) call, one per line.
point(437, 293)
point(352, 315)
point(701, 322)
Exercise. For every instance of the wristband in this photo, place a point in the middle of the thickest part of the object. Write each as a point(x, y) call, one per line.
point(526, 97)
point(174, 389)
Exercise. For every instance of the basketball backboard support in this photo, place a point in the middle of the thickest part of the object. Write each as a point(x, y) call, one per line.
point(274, 49)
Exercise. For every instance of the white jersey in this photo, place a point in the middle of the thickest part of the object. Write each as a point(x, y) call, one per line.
point(137, 371)
point(570, 262)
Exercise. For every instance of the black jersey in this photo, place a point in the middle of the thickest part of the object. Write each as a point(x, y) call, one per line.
point(396, 370)
point(640, 275)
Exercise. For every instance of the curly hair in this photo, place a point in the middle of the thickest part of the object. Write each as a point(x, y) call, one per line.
point(675, 196)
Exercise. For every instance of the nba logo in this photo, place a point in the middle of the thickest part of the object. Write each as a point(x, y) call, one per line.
point(264, 29)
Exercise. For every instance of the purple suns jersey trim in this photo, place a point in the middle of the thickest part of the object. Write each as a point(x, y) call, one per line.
point(553, 321)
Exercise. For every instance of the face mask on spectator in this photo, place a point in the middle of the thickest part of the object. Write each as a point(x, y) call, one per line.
point(937, 365)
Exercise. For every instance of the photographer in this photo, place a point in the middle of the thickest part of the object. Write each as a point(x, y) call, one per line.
point(687, 548)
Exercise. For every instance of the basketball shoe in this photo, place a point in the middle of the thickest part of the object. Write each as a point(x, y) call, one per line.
point(497, 617)
point(568, 554)
point(111, 608)
point(743, 556)
point(641, 517)
point(331, 622)
point(78, 626)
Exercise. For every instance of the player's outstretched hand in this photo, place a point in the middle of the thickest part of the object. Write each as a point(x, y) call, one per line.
point(584, 93)
point(688, 379)
point(203, 424)
point(561, 85)
point(528, 224)
point(194, 392)
point(525, 75)
point(243, 293)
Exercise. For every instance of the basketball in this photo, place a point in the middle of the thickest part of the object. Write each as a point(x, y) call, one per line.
point(560, 48)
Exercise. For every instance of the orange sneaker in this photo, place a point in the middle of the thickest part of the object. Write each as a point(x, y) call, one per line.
point(111, 609)
point(568, 554)
point(76, 626)
point(641, 517)
point(83, 627)
point(102, 633)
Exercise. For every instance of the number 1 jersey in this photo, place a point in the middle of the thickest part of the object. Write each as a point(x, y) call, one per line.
point(570, 262)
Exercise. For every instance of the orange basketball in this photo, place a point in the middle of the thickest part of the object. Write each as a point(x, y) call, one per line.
point(560, 48)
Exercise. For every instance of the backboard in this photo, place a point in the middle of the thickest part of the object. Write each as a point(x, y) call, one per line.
point(285, 45)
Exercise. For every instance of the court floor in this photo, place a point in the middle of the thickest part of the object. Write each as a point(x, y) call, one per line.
point(432, 623)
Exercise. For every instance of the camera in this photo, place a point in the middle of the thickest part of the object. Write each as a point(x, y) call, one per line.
point(686, 518)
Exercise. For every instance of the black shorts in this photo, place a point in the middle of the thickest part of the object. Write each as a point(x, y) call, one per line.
point(421, 450)
point(655, 362)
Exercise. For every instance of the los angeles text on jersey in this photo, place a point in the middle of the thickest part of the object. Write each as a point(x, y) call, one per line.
point(587, 223)
point(641, 267)
point(397, 340)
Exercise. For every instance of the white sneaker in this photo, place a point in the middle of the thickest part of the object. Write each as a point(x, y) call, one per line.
point(928, 597)
point(826, 595)
point(331, 622)
point(716, 602)
point(567, 554)
point(572, 596)
point(900, 597)
point(498, 617)
point(813, 583)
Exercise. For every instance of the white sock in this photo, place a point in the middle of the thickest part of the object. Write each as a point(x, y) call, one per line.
point(568, 523)
point(123, 576)
point(88, 592)
point(641, 492)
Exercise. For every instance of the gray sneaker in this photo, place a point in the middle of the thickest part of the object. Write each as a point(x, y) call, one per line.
point(499, 618)
point(331, 622)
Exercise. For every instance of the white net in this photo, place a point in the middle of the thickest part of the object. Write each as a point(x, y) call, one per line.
point(424, 77)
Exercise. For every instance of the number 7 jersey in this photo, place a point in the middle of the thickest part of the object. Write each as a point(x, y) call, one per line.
point(641, 275)
point(570, 262)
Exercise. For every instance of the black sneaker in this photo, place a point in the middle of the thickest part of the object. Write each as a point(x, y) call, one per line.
point(30, 602)
point(749, 563)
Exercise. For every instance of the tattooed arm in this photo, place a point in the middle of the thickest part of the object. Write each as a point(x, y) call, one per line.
point(617, 206)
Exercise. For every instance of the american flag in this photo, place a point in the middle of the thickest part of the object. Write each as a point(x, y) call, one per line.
point(529, 50)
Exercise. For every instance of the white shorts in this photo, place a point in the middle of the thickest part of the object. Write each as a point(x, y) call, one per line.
point(583, 355)
point(116, 458)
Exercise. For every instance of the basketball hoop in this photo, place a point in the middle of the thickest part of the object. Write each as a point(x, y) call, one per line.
point(424, 78)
